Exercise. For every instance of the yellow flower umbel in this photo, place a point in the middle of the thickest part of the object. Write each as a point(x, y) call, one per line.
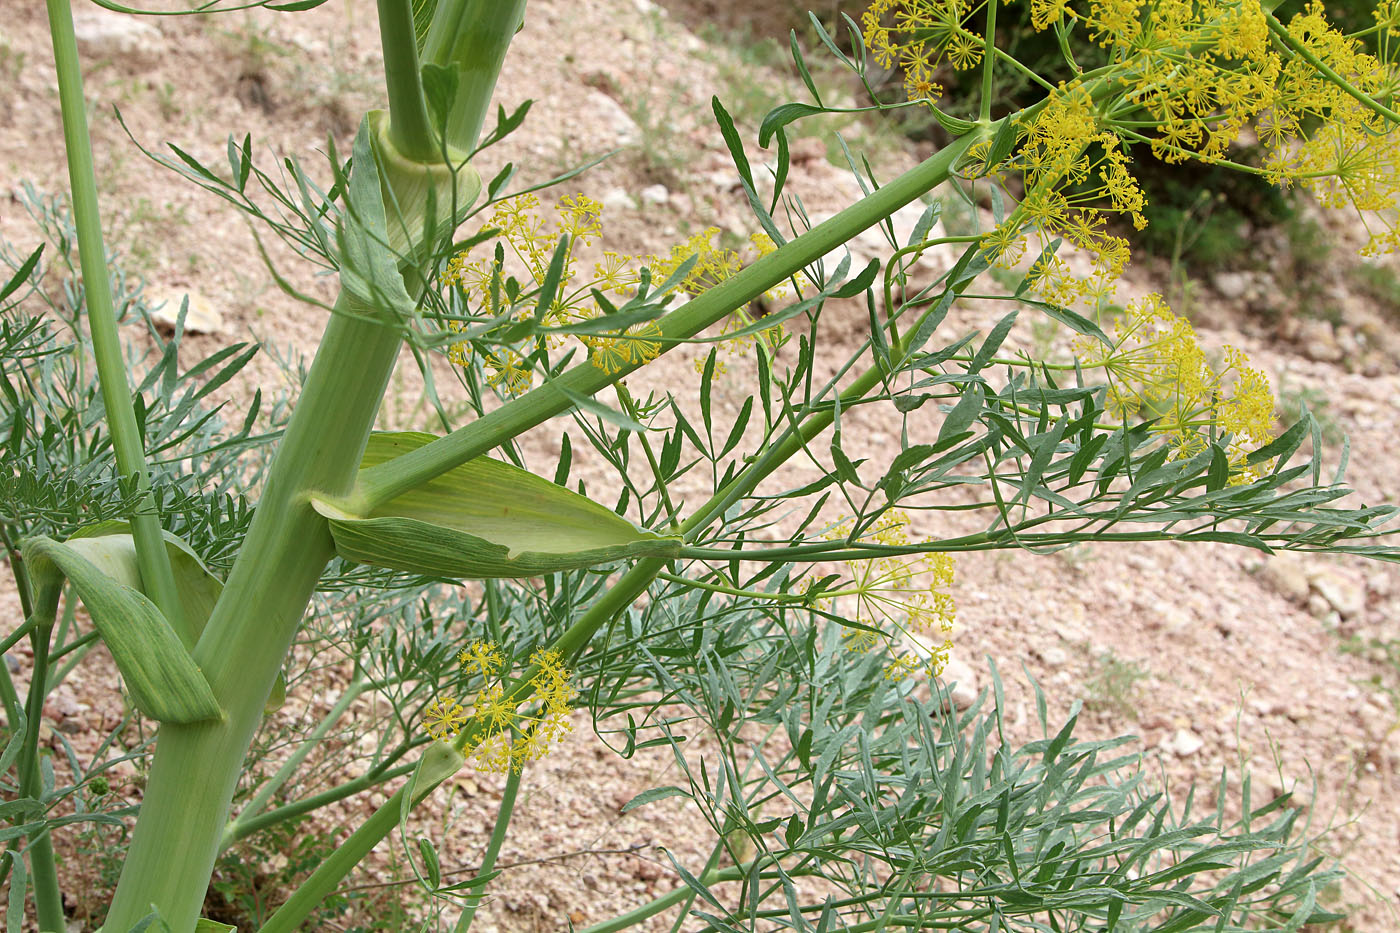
point(917, 35)
point(503, 737)
point(892, 596)
point(1192, 78)
point(529, 243)
point(444, 717)
point(1076, 179)
point(1155, 367)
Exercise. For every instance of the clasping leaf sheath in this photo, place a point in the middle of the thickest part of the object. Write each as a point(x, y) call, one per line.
point(483, 519)
point(422, 200)
point(162, 678)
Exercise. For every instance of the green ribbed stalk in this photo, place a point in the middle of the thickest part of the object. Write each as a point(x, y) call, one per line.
point(475, 54)
point(196, 768)
point(156, 575)
point(412, 136)
point(288, 546)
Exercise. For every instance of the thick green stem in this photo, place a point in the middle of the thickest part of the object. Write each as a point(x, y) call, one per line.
point(493, 848)
point(156, 576)
point(196, 767)
point(43, 874)
point(288, 545)
point(471, 37)
point(377, 485)
point(409, 129)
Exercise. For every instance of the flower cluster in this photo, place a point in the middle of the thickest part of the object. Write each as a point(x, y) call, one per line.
point(1075, 177)
point(1209, 80)
point(1195, 79)
point(891, 596)
point(502, 737)
point(916, 36)
point(493, 292)
point(1156, 367)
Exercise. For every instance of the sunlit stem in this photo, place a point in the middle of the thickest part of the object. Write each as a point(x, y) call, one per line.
point(156, 576)
point(471, 37)
point(288, 545)
point(409, 129)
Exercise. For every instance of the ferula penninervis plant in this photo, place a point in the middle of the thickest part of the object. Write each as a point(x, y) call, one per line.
point(815, 612)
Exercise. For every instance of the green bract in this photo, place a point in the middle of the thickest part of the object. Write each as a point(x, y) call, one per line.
point(481, 520)
point(162, 678)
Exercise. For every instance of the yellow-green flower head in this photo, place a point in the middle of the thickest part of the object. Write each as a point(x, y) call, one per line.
point(530, 241)
point(892, 600)
point(504, 737)
point(1155, 367)
point(444, 717)
point(1194, 78)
